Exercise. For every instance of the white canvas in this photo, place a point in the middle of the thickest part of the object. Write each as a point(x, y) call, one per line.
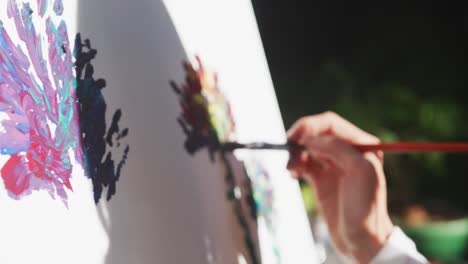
point(225, 35)
point(170, 207)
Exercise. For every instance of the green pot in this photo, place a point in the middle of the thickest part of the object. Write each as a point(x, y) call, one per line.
point(444, 241)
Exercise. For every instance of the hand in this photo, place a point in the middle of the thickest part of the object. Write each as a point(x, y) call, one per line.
point(350, 185)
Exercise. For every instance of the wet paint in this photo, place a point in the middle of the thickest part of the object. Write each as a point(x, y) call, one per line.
point(42, 6)
point(58, 7)
point(264, 200)
point(38, 95)
point(206, 117)
point(97, 141)
point(207, 121)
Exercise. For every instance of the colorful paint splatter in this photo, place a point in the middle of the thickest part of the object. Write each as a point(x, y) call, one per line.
point(264, 199)
point(42, 126)
point(41, 132)
point(206, 115)
point(207, 122)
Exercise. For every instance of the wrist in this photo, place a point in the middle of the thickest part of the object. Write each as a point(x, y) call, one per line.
point(371, 241)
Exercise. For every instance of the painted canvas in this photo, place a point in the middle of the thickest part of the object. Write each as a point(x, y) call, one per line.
point(111, 117)
point(46, 193)
point(224, 35)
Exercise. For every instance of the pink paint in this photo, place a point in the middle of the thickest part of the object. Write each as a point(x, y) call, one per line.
point(16, 176)
point(42, 126)
point(42, 5)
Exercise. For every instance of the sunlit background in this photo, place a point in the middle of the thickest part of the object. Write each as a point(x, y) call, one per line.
point(398, 70)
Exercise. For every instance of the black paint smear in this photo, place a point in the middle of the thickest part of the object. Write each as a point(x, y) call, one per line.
point(248, 185)
point(114, 127)
point(239, 212)
point(96, 142)
point(196, 141)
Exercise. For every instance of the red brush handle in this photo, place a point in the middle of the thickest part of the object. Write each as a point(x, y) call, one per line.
point(405, 147)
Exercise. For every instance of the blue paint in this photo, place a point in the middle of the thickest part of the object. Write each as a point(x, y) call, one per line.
point(23, 128)
point(58, 7)
point(11, 151)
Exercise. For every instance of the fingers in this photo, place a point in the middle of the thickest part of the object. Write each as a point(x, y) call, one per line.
point(335, 150)
point(331, 124)
point(322, 175)
point(301, 163)
point(340, 153)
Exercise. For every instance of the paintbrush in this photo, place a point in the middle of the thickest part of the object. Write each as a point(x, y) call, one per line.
point(394, 147)
point(230, 146)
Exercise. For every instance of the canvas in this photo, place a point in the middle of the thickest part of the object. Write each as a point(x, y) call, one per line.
point(94, 161)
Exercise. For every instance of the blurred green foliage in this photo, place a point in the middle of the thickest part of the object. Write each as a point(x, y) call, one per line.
point(397, 112)
point(308, 195)
point(397, 69)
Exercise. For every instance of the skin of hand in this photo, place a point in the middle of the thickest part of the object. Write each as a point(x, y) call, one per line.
point(350, 185)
